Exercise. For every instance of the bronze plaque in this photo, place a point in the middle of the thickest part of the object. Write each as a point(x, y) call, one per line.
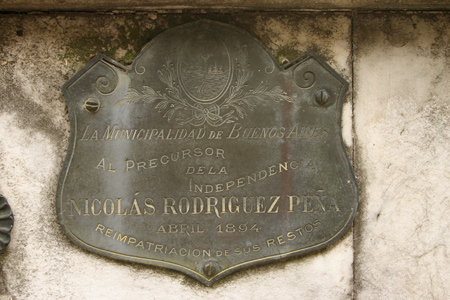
point(205, 155)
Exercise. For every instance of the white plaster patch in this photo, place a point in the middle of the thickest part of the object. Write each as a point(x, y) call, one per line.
point(28, 165)
point(403, 135)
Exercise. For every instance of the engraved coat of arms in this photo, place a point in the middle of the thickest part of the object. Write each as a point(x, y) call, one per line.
point(205, 155)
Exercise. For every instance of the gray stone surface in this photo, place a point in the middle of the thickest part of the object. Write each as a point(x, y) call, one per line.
point(143, 5)
point(402, 118)
point(38, 53)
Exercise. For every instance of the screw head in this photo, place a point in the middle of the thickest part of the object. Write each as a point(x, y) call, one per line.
point(210, 268)
point(92, 105)
point(321, 97)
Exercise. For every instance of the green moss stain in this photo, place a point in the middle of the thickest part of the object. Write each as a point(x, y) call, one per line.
point(122, 38)
point(286, 54)
point(121, 43)
point(82, 48)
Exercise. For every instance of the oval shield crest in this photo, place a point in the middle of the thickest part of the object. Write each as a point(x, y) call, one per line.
point(204, 67)
point(206, 156)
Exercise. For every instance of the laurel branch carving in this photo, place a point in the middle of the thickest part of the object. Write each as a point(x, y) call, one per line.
point(175, 106)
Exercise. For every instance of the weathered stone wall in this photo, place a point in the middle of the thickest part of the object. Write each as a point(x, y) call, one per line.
point(395, 127)
point(146, 5)
point(401, 118)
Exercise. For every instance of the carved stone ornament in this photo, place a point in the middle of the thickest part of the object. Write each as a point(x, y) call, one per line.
point(6, 223)
point(205, 156)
